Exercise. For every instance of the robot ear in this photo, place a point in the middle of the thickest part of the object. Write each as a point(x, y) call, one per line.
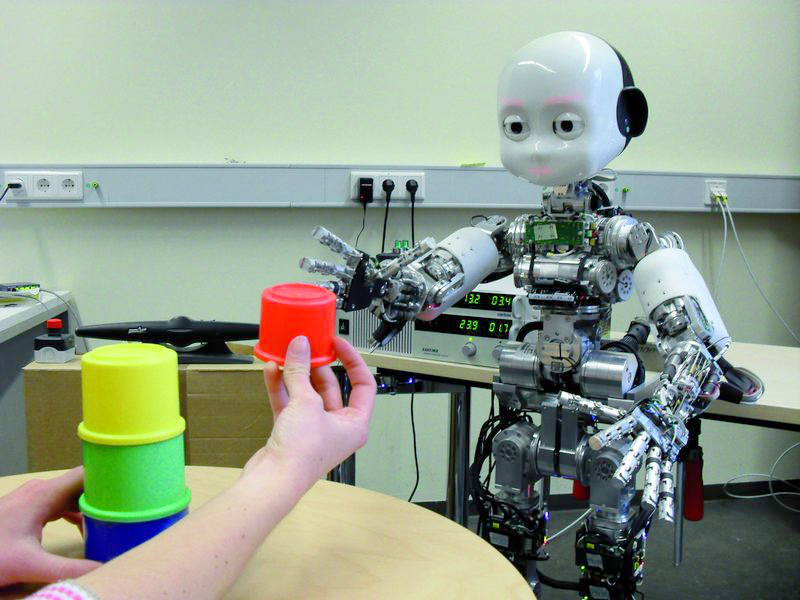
point(631, 112)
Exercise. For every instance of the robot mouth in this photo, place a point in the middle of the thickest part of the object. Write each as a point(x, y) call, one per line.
point(540, 170)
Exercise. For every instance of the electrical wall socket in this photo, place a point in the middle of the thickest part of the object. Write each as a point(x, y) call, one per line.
point(45, 185)
point(24, 179)
point(400, 178)
point(714, 187)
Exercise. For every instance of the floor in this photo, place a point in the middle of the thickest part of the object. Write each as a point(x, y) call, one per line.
point(742, 549)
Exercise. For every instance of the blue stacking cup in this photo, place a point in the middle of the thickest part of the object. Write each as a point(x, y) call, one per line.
point(106, 539)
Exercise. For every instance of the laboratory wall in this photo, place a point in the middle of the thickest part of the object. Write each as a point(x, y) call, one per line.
point(395, 83)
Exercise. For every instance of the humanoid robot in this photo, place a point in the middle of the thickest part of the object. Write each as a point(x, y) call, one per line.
point(566, 107)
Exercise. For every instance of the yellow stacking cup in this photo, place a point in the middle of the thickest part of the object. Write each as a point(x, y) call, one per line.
point(130, 395)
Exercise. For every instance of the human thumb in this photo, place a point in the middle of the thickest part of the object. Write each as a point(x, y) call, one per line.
point(297, 367)
point(49, 568)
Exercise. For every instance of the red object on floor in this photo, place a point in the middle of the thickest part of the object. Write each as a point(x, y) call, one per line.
point(693, 487)
point(579, 492)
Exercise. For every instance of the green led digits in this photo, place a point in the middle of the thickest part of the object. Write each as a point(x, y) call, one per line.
point(468, 325)
point(473, 298)
point(501, 300)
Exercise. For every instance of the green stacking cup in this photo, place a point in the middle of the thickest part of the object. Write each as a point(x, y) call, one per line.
point(134, 483)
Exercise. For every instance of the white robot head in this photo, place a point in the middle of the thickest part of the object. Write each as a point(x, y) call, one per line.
point(566, 107)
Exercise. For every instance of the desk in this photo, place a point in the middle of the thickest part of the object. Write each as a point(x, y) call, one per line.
point(343, 542)
point(20, 323)
point(777, 366)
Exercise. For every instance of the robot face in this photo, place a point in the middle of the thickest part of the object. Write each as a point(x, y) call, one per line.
point(562, 108)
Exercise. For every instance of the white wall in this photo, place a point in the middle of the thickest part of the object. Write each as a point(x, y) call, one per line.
point(351, 82)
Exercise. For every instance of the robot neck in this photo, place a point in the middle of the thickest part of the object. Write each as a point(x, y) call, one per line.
point(564, 201)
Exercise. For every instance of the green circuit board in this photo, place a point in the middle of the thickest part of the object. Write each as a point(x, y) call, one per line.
point(555, 232)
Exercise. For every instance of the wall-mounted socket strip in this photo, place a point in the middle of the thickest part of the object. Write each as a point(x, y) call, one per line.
point(45, 185)
point(400, 178)
point(713, 188)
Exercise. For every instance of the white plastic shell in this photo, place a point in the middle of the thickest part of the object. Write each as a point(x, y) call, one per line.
point(476, 252)
point(669, 273)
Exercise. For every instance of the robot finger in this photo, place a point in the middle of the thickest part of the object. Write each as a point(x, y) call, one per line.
point(615, 432)
point(652, 478)
point(666, 497)
point(337, 288)
point(313, 265)
point(336, 244)
point(632, 460)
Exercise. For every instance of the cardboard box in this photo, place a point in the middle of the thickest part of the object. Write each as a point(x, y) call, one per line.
point(225, 406)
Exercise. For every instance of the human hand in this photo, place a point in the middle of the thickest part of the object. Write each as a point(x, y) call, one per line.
point(23, 514)
point(313, 432)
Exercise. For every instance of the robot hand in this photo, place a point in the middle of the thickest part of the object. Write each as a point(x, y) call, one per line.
point(393, 293)
point(689, 382)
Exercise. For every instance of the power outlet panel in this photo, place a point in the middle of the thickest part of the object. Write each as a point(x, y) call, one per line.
point(713, 188)
point(45, 185)
point(400, 179)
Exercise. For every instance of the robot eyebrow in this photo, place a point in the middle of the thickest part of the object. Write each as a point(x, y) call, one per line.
point(563, 99)
point(512, 102)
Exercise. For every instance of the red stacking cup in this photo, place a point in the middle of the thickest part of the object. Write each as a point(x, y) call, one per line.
point(292, 309)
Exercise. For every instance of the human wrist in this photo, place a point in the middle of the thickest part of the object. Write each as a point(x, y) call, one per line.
point(272, 470)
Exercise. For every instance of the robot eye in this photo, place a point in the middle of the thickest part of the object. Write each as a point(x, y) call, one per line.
point(515, 127)
point(568, 126)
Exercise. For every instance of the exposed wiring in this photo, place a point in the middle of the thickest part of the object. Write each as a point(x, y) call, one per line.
point(416, 457)
point(363, 222)
point(770, 479)
point(67, 304)
point(584, 514)
point(723, 203)
point(715, 289)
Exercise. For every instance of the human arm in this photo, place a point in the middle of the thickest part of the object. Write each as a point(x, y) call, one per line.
point(201, 555)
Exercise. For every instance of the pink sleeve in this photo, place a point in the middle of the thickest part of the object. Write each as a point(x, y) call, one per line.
point(63, 590)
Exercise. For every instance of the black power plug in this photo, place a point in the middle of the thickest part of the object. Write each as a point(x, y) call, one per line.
point(388, 187)
point(365, 186)
point(412, 186)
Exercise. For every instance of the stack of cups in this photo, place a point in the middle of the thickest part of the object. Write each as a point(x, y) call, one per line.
point(132, 435)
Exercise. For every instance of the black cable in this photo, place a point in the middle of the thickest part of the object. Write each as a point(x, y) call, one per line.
point(527, 328)
point(416, 459)
point(473, 217)
point(412, 186)
point(388, 186)
point(5, 191)
point(557, 583)
point(363, 222)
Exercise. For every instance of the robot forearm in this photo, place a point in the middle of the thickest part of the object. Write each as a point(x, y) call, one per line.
point(423, 282)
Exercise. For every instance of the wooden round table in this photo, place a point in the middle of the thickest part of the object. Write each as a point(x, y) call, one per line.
point(341, 542)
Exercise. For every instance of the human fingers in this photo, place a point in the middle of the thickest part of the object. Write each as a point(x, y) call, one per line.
point(327, 385)
point(53, 497)
point(275, 388)
point(42, 567)
point(297, 368)
point(362, 394)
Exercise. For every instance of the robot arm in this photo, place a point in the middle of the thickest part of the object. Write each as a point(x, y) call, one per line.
point(422, 282)
point(691, 338)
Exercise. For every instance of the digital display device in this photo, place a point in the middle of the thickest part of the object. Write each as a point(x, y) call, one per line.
point(486, 301)
point(467, 325)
